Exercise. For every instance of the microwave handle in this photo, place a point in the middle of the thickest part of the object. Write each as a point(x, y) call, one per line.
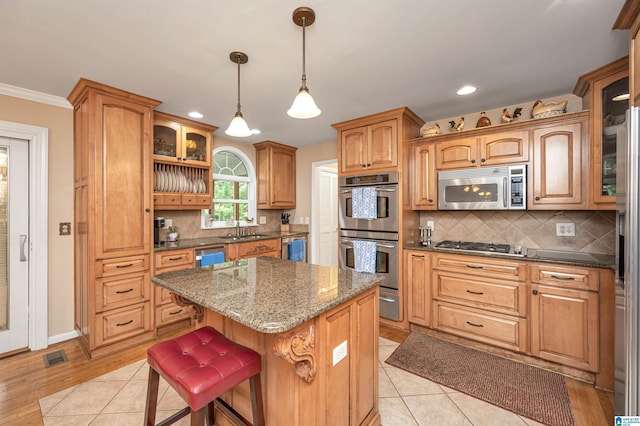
point(505, 194)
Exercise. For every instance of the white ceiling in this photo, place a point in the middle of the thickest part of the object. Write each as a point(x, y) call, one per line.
point(363, 56)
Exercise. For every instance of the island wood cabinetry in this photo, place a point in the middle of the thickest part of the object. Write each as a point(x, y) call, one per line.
point(182, 163)
point(112, 217)
point(548, 312)
point(166, 310)
point(558, 179)
point(600, 91)
point(276, 174)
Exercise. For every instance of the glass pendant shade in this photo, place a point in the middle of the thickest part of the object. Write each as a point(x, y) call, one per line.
point(238, 127)
point(303, 105)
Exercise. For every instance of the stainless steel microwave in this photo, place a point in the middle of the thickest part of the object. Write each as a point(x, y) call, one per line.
point(484, 188)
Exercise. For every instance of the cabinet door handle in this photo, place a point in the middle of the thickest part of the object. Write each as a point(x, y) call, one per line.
point(562, 278)
point(479, 293)
point(124, 291)
point(538, 198)
point(430, 200)
point(23, 243)
point(421, 256)
point(147, 210)
point(482, 160)
point(473, 161)
point(535, 292)
point(128, 265)
point(474, 267)
point(124, 323)
point(475, 325)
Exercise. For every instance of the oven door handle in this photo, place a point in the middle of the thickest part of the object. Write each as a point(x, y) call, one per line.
point(345, 191)
point(350, 244)
point(505, 194)
point(386, 189)
point(385, 246)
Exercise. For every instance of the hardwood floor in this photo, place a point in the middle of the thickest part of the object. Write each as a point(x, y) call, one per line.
point(591, 406)
point(24, 380)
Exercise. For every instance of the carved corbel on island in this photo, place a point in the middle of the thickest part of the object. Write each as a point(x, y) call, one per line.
point(297, 348)
point(198, 311)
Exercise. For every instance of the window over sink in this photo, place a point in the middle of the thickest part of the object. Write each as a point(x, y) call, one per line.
point(234, 181)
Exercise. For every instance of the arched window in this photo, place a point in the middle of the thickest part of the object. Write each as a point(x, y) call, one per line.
point(234, 181)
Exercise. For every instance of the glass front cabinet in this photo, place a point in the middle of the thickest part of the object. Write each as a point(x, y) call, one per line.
point(605, 92)
point(179, 140)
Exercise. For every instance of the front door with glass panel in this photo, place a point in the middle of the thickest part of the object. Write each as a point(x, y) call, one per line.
point(14, 244)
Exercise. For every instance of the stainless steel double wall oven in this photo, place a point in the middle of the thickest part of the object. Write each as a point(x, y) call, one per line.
point(382, 230)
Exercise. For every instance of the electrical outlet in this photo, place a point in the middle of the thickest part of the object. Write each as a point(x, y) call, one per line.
point(167, 223)
point(263, 220)
point(65, 228)
point(339, 352)
point(430, 224)
point(565, 229)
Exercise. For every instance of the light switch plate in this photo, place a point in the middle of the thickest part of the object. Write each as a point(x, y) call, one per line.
point(168, 223)
point(263, 220)
point(339, 352)
point(430, 224)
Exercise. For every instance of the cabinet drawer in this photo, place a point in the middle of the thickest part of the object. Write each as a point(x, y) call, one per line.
point(162, 295)
point(119, 324)
point(565, 276)
point(486, 267)
point(169, 313)
point(498, 296)
point(170, 200)
point(189, 199)
point(174, 259)
point(122, 290)
point(203, 200)
point(495, 329)
point(258, 248)
point(122, 265)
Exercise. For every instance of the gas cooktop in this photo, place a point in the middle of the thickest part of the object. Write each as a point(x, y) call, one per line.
point(473, 246)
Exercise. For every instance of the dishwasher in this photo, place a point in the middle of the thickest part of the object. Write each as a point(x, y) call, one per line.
point(210, 256)
point(295, 248)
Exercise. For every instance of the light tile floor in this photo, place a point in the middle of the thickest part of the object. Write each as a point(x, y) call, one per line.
point(118, 398)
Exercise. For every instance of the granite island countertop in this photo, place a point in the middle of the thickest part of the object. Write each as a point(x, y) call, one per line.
point(266, 294)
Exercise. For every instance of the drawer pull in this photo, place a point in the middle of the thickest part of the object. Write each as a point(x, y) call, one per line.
point(124, 291)
point(124, 323)
point(562, 278)
point(474, 325)
point(474, 266)
point(128, 265)
point(175, 258)
point(176, 312)
point(479, 293)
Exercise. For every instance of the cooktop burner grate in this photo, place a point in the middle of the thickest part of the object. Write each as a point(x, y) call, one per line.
point(474, 246)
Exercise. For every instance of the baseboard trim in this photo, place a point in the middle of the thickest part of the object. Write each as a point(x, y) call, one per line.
point(62, 337)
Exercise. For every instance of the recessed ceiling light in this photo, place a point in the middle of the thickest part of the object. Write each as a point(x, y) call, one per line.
point(255, 131)
point(195, 114)
point(622, 97)
point(466, 90)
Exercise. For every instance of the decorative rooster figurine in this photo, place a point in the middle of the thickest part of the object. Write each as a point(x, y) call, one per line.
point(457, 127)
point(508, 118)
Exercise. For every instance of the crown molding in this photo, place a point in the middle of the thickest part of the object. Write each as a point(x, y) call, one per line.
point(32, 95)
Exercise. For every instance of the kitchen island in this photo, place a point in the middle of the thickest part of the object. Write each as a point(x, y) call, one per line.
point(316, 328)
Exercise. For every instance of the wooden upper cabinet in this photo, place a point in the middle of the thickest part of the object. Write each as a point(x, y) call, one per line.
point(557, 179)
point(370, 147)
point(276, 173)
point(374, 143)
point(599, 90)
point(423, 177)
point(180, 140)
point(457, 153)
point(487, 150)
point(629, 19)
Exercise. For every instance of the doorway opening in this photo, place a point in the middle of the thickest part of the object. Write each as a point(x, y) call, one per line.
point(324, 213)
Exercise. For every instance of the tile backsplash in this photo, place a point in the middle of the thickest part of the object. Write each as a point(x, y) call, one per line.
point(595, 230)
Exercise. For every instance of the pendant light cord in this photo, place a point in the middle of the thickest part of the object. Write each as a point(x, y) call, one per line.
point(238, 62)
point(304, 55)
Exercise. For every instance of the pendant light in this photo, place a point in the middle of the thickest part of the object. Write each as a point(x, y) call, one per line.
point(303, 105)
point(238, 127)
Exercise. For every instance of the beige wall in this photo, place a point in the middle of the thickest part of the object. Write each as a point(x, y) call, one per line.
point(304, 158)
point(59, 121)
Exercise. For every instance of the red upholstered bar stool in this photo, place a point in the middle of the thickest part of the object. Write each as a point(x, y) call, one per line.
point(201, 366)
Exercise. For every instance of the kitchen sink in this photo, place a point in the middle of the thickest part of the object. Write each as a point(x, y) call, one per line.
point(562, 255)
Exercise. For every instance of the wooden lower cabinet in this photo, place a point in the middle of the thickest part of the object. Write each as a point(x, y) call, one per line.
point(558, 313)
point(418, 270)
point(245, 250)
point(166, 311)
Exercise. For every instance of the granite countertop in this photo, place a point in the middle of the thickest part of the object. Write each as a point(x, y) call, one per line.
point(266, 294)
point(592, 260)
point(213, 241)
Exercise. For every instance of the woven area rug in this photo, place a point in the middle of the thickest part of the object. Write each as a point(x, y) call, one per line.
point(528, 391)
